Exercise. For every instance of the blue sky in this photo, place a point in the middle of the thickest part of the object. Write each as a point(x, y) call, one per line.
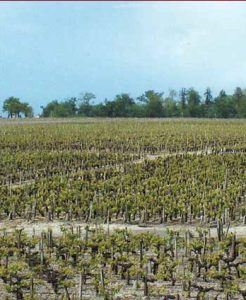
point(54, 50)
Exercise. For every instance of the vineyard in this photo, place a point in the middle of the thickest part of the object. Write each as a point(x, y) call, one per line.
point(123, 209)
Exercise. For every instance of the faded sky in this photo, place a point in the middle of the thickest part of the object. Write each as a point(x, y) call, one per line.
point(53, 50)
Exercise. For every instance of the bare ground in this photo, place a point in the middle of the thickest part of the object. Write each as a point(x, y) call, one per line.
point(36, 227)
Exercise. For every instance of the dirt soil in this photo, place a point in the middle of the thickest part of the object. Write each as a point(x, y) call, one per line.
point(36, 227)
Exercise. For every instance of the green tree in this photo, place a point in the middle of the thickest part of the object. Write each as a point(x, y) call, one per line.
point(170, 107)
point(183, 94)
point(241, 108)
point(48, 110)
point(222, 93)
point(98, 110)
point(14, 107)
point(154, 104)
point(85, 107)
point(61, 109)
point(239, 99)
point(109, 108)
point(238, 93)
point(27, 110)
point(225, 106)
point(193, 103)
point(206, 107)
point(69, 106)
point(208, 96)
point(123, 105)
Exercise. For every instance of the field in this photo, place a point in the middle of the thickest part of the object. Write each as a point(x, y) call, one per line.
point(122, 209)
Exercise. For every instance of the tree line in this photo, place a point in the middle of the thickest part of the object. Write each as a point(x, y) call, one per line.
point(151, 104)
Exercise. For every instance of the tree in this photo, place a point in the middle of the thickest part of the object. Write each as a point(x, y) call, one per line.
point(208, 96)
point(222, 94)
point(69, 106)
point(172, 94)
point(154, 104)
point(27, 110)
point(85, 107)
point(183, 94)
point(225, 107)
point(150, 104)
point(170, 107)
point(14, 108)
point(241, 107)
point(123, 104)
point(239, 101)
point(238, 93)
point(193, 103)
point(109, 108)
point(61, 109)
point(48, 110)
point(207, 106)
point(11, 106)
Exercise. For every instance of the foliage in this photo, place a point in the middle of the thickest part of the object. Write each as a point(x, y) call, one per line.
point(147, 173)
point(14, 107)
point(154, 105)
